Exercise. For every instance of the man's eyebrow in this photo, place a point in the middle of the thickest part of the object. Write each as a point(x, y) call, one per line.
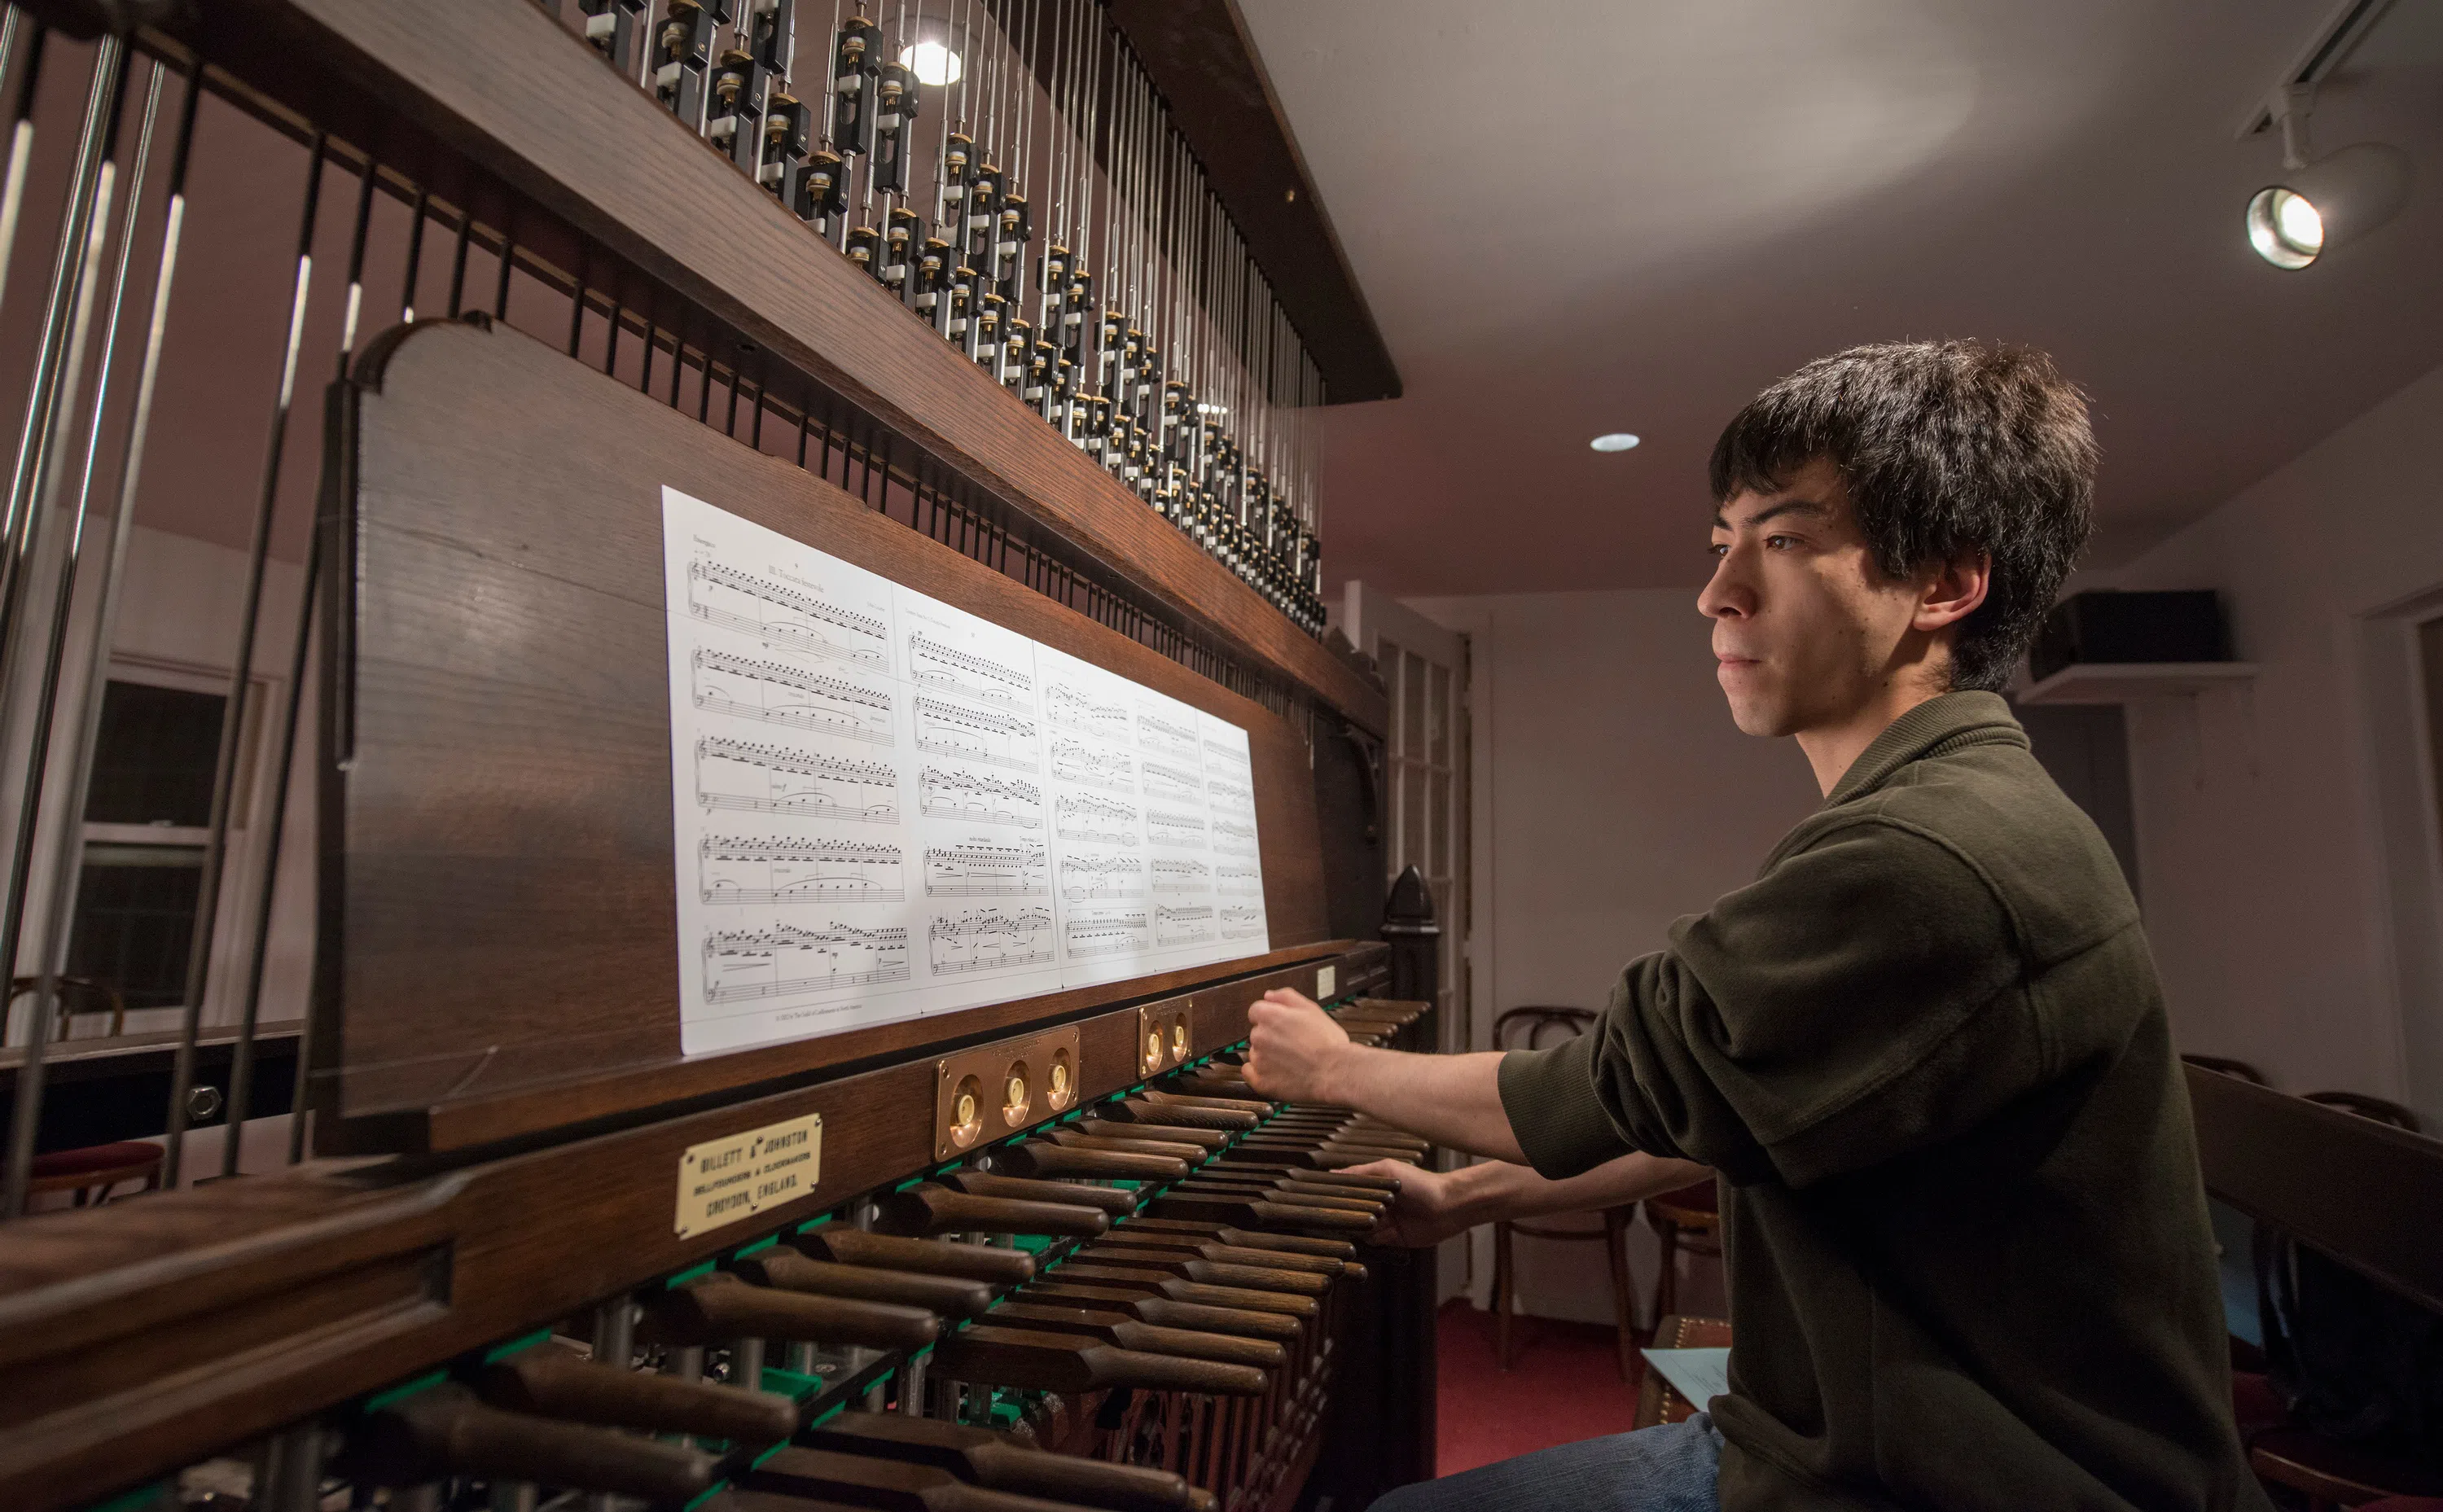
point(1788, 506)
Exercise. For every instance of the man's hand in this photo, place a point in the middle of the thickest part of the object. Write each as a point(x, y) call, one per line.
point(1425, 1210)
point(1294, 1049)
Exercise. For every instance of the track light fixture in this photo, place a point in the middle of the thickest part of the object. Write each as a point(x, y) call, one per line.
point(2322, 203)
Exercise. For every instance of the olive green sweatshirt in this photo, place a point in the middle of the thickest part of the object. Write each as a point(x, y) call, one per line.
point(1964, 1234)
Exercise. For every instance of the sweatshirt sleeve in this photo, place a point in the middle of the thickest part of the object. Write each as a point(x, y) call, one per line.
point(1865, 997)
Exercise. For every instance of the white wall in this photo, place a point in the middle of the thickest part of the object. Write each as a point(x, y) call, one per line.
point(1618, 796)
point(2285, 835)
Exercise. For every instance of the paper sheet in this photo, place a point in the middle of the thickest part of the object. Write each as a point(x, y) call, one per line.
point(1698, 1374)
point(885, 807)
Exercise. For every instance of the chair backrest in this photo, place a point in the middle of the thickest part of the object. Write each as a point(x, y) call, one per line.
point(2377, 1108)
point(1540, 1020)
point(2238, 1068)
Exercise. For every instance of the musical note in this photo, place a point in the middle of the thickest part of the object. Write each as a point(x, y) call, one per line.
point(1163, 781)
point(936, 664)
point(1076, 761)
point(1188, 925)
point(1081, 711)
point(1183, 831)
point(1087, 817)
point(772, 610)
point(1232, 792)
point(779, 694)
point(1234, 880)
point(984, 871)
point(1155, 732)
point(1087, 935)
point(1239, 922)
point(976, 734)
point(785, 779)
point(946, 793)
point(793, 870)
point(1181, 876)
point(743, 964)
point(1230, 753)
point(1087, 876)
point(988, 940)
point(1234, 837)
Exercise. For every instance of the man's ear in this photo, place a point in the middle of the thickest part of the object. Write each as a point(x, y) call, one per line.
point(1954, 591)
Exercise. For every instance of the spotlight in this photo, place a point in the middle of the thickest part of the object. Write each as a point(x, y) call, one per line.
point(1617, 441)
point(2322, 203)
point(932, 63)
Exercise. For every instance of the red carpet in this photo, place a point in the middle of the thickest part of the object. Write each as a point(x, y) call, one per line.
point(1563, 1385)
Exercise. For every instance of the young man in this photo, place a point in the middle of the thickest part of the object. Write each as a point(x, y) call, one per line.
point(1965, 1240)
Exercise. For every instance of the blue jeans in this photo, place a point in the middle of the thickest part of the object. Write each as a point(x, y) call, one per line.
point(1655, 1470)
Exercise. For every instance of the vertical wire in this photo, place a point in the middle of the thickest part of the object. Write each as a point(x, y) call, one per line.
point(199, 956)
point(241, 1097)
point(56, 351)
point(69, 842)
point(501, 289)
point(577, 301)
point(414, 256)
point(458, 259)
point(21, 137)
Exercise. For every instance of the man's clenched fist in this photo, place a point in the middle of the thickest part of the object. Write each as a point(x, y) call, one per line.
point(1294, 1049)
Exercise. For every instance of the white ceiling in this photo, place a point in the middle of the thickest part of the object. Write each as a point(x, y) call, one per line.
point(1577, 216)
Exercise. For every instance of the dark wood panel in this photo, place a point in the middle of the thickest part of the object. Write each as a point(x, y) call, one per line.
point(503, 817)
point(2363, 1191)
point(360, 1276)
point(507, 89)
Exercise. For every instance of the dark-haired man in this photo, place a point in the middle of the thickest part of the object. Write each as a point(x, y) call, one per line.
point(1965, 1240)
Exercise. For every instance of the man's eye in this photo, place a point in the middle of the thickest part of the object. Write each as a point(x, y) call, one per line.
point(1719, 549)
point(1781, 542)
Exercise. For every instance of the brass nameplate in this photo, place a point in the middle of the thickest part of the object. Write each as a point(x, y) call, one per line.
point(723, 1180)
point(1164, 1037)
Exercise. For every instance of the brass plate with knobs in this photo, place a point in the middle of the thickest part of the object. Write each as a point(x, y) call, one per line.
point(995, 1090)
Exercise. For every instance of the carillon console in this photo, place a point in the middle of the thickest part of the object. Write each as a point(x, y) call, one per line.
point(809, 690)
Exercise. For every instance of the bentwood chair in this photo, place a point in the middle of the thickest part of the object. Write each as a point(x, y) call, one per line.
point(1535, 1028)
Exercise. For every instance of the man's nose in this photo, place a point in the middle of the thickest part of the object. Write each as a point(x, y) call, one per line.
point(1726, 594)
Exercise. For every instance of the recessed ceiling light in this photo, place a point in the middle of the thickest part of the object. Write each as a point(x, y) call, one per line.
point(1617, 441)
point(932, 63)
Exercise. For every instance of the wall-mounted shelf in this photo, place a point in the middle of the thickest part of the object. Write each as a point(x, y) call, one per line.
point(2127, 682)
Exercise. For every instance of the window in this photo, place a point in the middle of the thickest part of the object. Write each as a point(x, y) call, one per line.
point(147, 824)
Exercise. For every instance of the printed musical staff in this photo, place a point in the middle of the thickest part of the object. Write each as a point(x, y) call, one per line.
point(976, 734)
point(1097, 821)
point(1188, 924)
point(1234, 793)
point(1183, 831)
point(1156, 732)
point(1181, 876)
point(1075, 708)
point(1164, 781)
point(1087, 876)
point(1237, 880)
point(989, 939)
point(785, 779)
point(793, 870)
point(746, 964)
point(1239, 922)
point(776, 692)
point(969, 797)
point(785, 614)
point(1087, 935)
point(934, 663)
point(984, 871)
point(1234, 837)
point(1076, 761)
point(1214, 750)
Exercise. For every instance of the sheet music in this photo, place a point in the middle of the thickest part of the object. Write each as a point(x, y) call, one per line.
point(885, 807)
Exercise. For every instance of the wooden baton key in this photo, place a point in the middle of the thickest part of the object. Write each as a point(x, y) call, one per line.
point(1111, 1200)
point(789, 1270)
point(932, 1257)
point(1182, 1115)
point(1180, 1289)
point(1050, 1161)
point(1250, 1238)
point(721, 1307)
point(1134, 1333)
point(1129, 1236)
point(997, 1461)
point(994, 1356)
point(870, 1481)
point(1211, 1273)
point(1162, 1096)
point(1207, 1140)
point(446, 1431)
point(922, 1211)
point(554, 1382)
point(1148, 1307)
point(1260, 1214)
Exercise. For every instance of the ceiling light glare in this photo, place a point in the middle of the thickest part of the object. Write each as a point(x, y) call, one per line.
point(932, 63)
point(2285, 228)
point(1617, 441)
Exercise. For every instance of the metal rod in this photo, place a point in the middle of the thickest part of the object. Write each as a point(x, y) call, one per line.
point(68, 848)
point(21, 137)
point(241, 1097)
point(199, 956)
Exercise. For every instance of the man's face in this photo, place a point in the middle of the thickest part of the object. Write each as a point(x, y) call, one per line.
point(1805, 624)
